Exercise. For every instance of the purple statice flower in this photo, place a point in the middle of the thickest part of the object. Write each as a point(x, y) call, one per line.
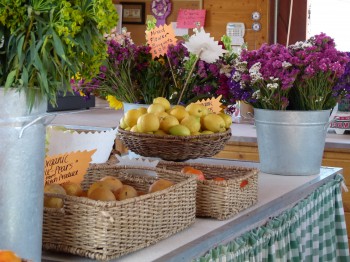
point(177, 53)
point(298, 77)
point(342, 88)
point(201, 69)
point(263, 77)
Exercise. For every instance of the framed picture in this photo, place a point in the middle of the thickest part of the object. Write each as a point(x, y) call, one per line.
point(133, 13)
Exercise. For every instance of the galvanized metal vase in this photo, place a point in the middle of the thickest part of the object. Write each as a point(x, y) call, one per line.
point(291, 142)
point(22, 152)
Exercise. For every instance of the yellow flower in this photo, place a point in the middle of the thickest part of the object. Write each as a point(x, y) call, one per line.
point(114, 103)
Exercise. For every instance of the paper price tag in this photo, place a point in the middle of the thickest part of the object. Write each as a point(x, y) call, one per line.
point(69, 167)
point(159, 39)
point(213, 104)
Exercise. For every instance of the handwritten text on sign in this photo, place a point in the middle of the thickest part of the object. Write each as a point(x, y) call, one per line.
point(69, 167)
point(213, 104)
point(188, 18)
point(159, 39)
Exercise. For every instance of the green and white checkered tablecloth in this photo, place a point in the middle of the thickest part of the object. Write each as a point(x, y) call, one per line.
point(313, 230)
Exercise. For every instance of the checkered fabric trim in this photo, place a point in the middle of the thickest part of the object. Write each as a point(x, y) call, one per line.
point(313, 230)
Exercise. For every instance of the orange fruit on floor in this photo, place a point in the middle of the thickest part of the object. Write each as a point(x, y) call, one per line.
point(9, 256)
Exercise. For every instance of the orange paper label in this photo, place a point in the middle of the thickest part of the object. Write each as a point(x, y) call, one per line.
point(213, 104)
point(159, 39)
point(69, 167)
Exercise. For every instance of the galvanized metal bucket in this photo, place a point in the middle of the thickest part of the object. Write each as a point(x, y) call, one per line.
point(22, 152)
point(291, 142)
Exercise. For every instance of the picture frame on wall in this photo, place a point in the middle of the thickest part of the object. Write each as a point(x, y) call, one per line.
point(133, 13)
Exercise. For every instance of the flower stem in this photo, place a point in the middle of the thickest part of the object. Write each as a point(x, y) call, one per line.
point(189, 76)
point(172, 72)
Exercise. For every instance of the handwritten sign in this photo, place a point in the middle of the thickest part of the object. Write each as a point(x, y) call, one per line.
point(188, 18)
point(159, 39)
point(213, 104)
point(69, 167)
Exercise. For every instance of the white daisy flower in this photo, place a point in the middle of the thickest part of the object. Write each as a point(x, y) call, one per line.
point(204, 46)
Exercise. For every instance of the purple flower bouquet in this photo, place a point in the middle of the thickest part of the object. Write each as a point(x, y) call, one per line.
point(302, 76)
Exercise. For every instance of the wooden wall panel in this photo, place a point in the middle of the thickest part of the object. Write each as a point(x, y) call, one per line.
point(219, 13)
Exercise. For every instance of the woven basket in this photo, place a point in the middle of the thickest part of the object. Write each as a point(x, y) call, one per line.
point(221, 199)
point(106, 230)
point(174, 148)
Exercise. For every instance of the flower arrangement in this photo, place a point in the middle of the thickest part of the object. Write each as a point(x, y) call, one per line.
point(46, 43)
point(343, 85)
point(131, 75)
point(302, 76)
point(210, 72)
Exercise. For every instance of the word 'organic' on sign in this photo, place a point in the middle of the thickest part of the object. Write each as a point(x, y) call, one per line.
point(69, 167)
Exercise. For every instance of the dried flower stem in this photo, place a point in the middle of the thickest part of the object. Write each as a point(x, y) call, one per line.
point(189, 76)
point(172, 72)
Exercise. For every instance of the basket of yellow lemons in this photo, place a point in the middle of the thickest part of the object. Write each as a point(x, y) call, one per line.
point(174, 133)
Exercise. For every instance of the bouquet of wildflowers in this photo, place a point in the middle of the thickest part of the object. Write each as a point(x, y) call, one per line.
point(299, 77)
point(129, 73)
point(190, 71)
point(342, 88)
point(207, 77)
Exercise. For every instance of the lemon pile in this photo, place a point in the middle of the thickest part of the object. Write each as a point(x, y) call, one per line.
point(161, 118)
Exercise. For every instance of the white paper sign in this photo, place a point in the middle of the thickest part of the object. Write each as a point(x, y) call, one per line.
point(179, 31)
point(61, 141)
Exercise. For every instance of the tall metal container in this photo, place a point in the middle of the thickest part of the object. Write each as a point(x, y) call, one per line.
point(291, 142)
point(22, 152)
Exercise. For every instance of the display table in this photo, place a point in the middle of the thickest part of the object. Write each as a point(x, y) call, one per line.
point(295, 217)
point(101, 118)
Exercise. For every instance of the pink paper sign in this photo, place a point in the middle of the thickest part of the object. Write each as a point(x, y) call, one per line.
point(188, 18)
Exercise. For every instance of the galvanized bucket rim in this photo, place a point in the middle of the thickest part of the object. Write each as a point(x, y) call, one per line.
point(293, 111)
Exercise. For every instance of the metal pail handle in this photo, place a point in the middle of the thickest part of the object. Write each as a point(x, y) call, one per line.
point(48, 118)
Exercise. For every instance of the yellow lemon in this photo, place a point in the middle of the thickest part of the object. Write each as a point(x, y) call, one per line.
point(168, 122)
point(192, 122)
point(214, 123)
point(162, 100)
point(155, 108)
point(179, 130)
point(131, 116)
point(148, 123)
point(179, 112)
point(122, 123)
point(227, 118)
point(197, 109)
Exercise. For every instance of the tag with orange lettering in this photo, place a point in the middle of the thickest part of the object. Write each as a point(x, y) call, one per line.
point(213, 104)
point(69, 167)
point(159, 39)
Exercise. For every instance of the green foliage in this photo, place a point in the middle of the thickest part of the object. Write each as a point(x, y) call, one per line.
point(47, 42)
